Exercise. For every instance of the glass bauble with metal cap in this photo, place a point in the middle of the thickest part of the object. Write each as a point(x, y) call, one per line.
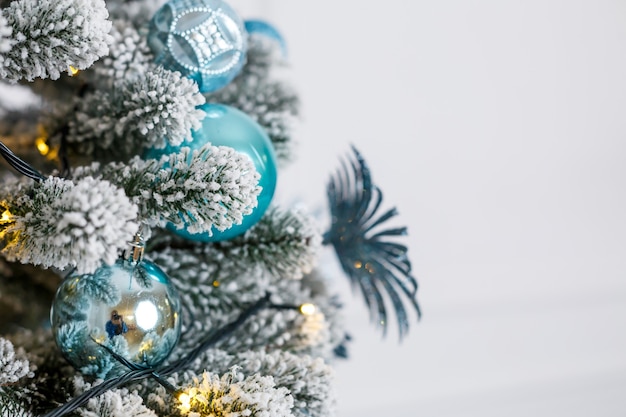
point(130, 308)
point(204, 40)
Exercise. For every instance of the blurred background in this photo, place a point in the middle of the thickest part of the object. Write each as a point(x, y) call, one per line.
point(497, 129)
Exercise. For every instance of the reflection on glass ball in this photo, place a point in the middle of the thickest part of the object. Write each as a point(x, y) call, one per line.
point(133, 309)
point(204, 40)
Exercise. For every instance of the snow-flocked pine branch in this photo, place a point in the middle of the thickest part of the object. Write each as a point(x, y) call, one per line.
point(13, 365)
point(309, 380)
point(50, 36)
point(11, 403)
point(61, 223)
point(119, 402)
point(129, 56)
point(216, 291)
point(5, 36)
point(285, 329)
point(139, 12)
point(235, 394)
point(53, 374)
point(154, 110)
point(285, 242)
point(200, 189)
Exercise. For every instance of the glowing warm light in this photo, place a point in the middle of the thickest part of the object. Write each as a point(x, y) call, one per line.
point(5, 221)
point(42, 146)
point(6, 216)
point(358, 264)
point(41, 143)
point(216, 283)
point(147, 315)
point(74, 70)
point(185, 402)
point(308, 309)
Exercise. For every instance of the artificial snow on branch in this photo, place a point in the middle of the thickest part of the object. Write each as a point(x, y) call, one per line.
point(201, 189)
point(5, 37)
point(154, 110)
point(11, 405)
point(13, 365)
point(119, 402)
point(216, 280)
point(284, 242)
point(308, 379)
point(60, 223)
point(50, 36)
point(52, 375)
point(232, 394)
point(282, 329)
point(210, 286)
point(129, 56)
point(139, 12)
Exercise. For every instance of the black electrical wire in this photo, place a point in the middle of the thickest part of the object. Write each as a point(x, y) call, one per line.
point(19, 165)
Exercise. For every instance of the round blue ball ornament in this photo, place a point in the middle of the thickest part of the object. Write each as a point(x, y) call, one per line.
point(227, 126)
point(204, 40)
point(130, 308)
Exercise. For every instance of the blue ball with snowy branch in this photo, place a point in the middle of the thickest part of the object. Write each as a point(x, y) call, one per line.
point(128, 311)
point(204, 40)
point(228, 126)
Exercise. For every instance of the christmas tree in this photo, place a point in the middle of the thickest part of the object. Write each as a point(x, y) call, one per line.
point(147, 269)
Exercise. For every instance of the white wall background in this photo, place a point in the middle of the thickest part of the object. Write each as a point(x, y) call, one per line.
point(497, 128)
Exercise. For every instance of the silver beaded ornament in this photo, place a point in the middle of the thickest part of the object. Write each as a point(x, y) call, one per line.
point(203, 39)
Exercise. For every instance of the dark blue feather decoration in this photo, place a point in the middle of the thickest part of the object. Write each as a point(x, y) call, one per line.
point(378, 267)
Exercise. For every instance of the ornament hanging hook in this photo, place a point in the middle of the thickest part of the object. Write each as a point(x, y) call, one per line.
point(133, 253)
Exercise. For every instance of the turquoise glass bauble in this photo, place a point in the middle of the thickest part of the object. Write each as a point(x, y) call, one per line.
point(204, 40)
point(132, 309)
point(228, 126)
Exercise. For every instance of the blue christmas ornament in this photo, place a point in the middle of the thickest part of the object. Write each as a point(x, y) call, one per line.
point(130, 308)
point(228, 126)
point(261, 27)
point(202, 39)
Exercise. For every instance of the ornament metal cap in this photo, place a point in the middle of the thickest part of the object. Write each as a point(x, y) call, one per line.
point(134, 251)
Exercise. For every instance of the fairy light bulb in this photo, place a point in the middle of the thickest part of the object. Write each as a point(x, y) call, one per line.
point(42, 146)
point(307, 309)
point(184, 400)
point(41, 143)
